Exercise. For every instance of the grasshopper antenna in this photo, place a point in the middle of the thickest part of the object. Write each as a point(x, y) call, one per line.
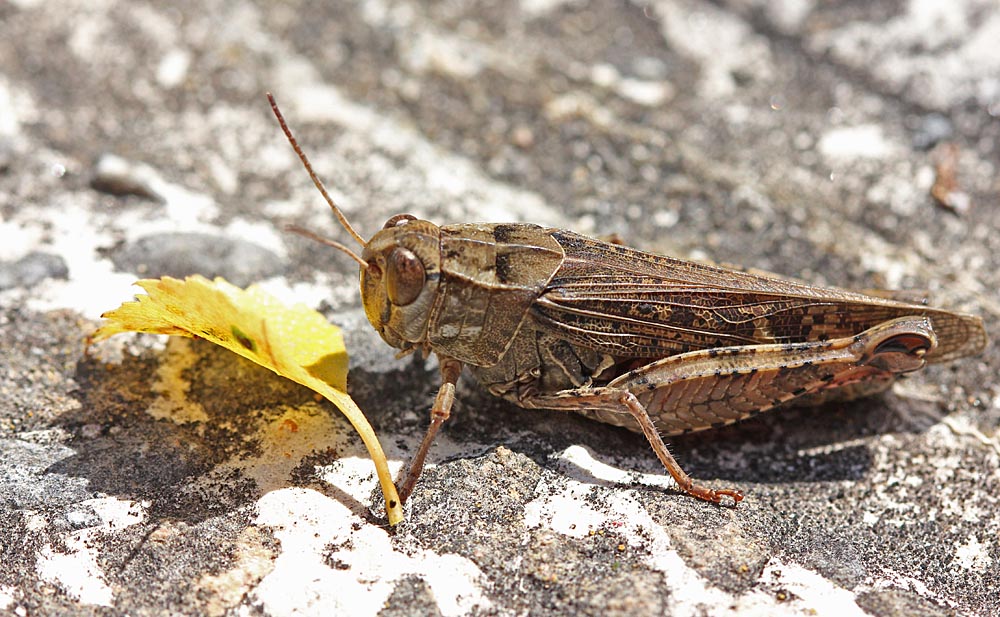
point(337, 245)
point(322, 189)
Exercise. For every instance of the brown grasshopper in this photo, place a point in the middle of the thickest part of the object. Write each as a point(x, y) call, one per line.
point(550, 319)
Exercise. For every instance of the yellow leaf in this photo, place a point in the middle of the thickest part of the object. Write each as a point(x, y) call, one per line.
point(297, 343)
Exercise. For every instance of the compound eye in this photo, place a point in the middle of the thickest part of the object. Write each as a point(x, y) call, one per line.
point(404, 276)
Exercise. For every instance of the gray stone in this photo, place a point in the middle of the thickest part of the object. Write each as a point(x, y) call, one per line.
point(182, 254)
point(32, 269)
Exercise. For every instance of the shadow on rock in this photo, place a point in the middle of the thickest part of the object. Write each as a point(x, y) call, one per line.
point(805, 444)
point(199, 432)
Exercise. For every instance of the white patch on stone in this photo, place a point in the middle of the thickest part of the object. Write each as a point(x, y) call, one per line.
point(563, 506)
point(75, 569)
point(261, 233)
point(224, 176)
point(160, 29)
point(876, 255)
point(315, 530)
point(182, 204)
point(76, 232)
point(11, 108)
point(854, 142)
point(91, 30)
point(581, 457)
point(16, 241)
point(563, 510)
point(394, 15)
point(604, 75)
point(788, 15)
point(666, 219)
point(961, 425)
point(720, 42)
point(442, 53)
point(320, 528)
point(578, 104)
point(179, 203)
point(425, 47)
point(651, 93)
point(943, 53)
point(540, 8)
point(890, 579)
point(7, 598)
point(645, 92)
point(973, 556)
point(310, 294)
point(815, 594)
point(903, 196)
point(173, 68)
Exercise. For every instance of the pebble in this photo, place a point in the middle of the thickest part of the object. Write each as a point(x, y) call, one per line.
point(180, 254)
point(117, 176)
point(32, 269)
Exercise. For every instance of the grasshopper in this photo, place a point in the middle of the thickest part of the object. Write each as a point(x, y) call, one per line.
point(550, 319)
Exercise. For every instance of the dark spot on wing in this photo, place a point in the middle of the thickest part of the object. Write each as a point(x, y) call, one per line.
point(503, 233)
point(503, 267)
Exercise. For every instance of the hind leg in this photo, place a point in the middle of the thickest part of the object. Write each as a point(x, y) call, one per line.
point(715, 387)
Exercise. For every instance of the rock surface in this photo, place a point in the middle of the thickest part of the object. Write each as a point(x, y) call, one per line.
point(156, 477)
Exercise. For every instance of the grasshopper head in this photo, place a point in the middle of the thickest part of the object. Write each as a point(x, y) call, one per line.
point(400, 265)
point(400, 279)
